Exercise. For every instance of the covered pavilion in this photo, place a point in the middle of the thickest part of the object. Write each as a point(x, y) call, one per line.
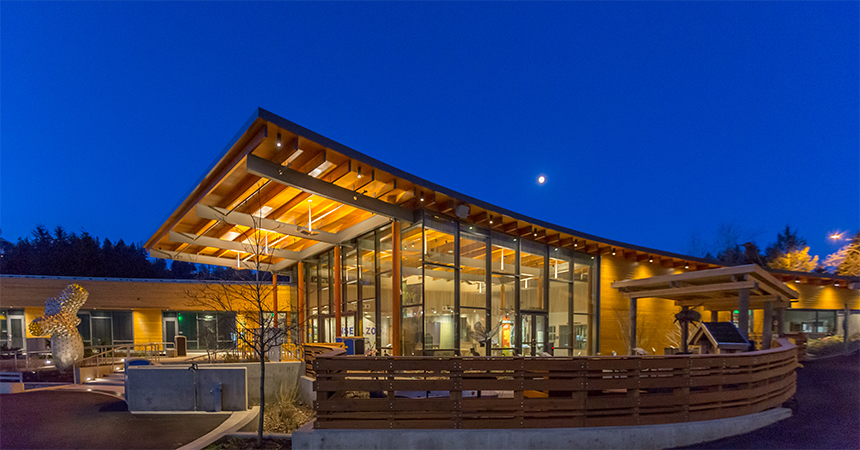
point(739, 288)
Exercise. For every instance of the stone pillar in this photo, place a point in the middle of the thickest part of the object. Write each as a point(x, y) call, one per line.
point(767, 325)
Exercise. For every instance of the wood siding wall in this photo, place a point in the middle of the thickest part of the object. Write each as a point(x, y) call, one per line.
point(655, 316)
point(147, 326)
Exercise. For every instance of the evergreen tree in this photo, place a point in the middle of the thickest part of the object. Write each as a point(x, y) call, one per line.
point(851, 264)
point(797, 261)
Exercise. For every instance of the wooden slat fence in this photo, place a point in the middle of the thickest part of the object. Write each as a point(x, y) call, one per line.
point(557, 392)
point(313, 351)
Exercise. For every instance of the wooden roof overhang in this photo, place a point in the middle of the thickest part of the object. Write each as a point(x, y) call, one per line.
point(274, 171)
point(714, 289)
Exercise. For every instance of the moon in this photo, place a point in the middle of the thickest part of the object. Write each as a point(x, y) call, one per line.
point(541, 179)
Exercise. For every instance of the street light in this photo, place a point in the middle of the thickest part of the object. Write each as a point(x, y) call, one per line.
point(836, 236)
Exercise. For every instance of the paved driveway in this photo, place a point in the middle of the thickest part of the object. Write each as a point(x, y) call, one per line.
point(828, 393)
point(82, 420)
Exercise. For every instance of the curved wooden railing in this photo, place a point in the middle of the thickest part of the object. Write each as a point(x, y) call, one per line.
point(517, 392)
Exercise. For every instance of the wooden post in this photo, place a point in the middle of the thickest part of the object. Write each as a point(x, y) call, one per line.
point(715, 316)
point(300, 301)
point(767, 326)
point(275, 298)
point(395, 288)
point(338, 292)
point(632, 325)
point(744, 312)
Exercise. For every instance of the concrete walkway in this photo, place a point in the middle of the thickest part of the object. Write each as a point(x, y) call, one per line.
point(828, 413)
point(57, 419)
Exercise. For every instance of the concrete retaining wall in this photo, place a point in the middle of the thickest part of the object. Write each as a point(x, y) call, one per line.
point(306, 391)
point(280, 376)
point(179, 388)
point(634, 437)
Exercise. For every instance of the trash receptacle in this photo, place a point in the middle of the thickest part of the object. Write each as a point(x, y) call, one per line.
point(179, 343)
point(354, 345)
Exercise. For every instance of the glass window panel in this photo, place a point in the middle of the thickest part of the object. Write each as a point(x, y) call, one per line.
point(531, 275)
point(473, 271)
point(385, 253)
point(582, 288)
point(369, 325)
point(559, 314)
point(412, 287)
point(311, 288)
point(502, 313)
point(350, 273)
point(580, 334)
point(188, 325)
point(412, 335)
point(123, 327)
point(504, 253)
point(325, 283)
point(83, 328)
point(438, 308)
point(226, 325)
point(473, 332)
point(439, 241)
point(411, 243)
point(386, 321)
point(101, 331)
point(207, 331)
point(560, 264)
point(367, 272)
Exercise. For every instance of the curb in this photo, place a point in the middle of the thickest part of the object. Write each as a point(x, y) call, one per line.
point(236, 421)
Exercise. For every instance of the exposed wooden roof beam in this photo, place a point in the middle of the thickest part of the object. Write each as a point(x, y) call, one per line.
point(274, 172)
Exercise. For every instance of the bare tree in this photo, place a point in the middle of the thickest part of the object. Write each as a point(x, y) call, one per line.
point(249, 297)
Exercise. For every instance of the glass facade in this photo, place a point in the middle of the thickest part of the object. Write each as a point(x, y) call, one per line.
point(465, 291)
point(366, 286)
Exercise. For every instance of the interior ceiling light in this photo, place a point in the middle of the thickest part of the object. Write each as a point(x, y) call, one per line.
point(613, 252)
point(359, 172)
point(279, 139)
point(320, 169)
point(491, 220)
point(309, 231)
point(650, 259)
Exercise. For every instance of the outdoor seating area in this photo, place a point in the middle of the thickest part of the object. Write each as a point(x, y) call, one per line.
point(556, 392)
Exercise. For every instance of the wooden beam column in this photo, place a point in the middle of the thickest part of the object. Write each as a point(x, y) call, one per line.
point(300, 302)
point(685, 331)
point(780, 328)
point(632, 326)
point(715, 316)
point(338, 291)
point(275, 298)
point(767, 325)
point(744, 312)
point(395, 288)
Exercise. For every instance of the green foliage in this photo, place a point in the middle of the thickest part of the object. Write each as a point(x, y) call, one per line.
point(797, 261)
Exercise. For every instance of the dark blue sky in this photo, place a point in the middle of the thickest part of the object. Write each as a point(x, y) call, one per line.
point(653, 122)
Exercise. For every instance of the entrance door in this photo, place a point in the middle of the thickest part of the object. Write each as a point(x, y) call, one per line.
point(534, 333)
point(170, 327)
point(16, 332)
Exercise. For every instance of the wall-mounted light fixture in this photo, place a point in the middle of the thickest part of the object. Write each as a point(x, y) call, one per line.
point(613, 252)
point(359, 172)
point(650, 259)
point(279, 140)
